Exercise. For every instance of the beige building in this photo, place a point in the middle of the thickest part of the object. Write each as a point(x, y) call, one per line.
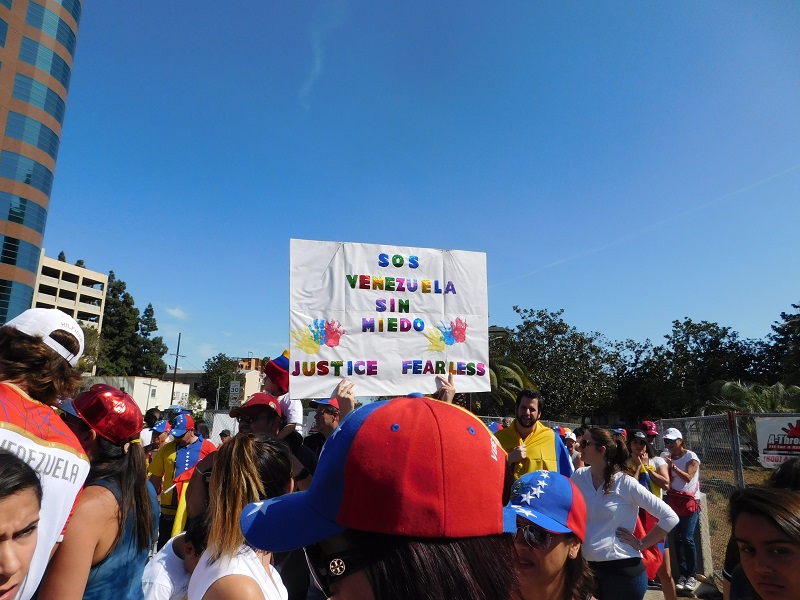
point(77, 291)
point(149, 392)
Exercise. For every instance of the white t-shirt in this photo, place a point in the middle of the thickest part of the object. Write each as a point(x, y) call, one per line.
point(605, 512)
point(293, 411)
point(677, 483)
point(247, 563)
point(165, 577)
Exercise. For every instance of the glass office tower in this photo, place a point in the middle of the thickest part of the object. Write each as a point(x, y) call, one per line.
point(37, 44)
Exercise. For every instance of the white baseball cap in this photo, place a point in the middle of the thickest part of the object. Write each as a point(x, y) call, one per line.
point(673, 434)
point(571, 436)
point(41, 322)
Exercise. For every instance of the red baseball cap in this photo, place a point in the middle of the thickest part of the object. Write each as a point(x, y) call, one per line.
point(648, 427)
point(110, 412)
point(403, 467)
point(256, 403)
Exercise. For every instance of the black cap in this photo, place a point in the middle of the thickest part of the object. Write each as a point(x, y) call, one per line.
point(225, 433)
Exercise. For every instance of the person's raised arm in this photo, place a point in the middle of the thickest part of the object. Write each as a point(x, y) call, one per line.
point(690, 471)
point(346, 397)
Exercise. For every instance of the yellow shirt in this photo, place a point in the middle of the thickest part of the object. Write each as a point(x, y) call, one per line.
point(543, 448)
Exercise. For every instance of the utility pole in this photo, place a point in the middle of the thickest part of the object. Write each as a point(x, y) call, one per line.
point(175, 369)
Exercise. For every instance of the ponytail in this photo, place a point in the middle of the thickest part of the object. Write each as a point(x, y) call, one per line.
point(127, 466)
point(249, 468)
point(616, 455)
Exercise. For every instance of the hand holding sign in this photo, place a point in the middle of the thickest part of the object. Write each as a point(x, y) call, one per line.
point(346, 397)
point(447, 390)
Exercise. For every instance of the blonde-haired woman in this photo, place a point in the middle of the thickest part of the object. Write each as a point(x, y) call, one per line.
point(249, 468)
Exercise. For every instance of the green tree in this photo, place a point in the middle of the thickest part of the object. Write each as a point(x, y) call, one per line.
point(218, 372)
point(783, 351)
point(119, 347)
point(507, 377)
point(677, 378)
point(152, 348)
point(91, 348)
point(127, 345)
point(62, 257)
point(573, 370)
point(79, 263)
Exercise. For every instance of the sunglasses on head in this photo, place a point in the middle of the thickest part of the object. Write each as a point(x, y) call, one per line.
point(536, 537)
point(327, 568)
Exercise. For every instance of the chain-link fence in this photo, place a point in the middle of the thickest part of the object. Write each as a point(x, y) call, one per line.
point(218, 420)
point(727, 447)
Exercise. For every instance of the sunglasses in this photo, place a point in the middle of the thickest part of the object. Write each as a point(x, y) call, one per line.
point(536, 537)
point(327, 568)
point(584, 443)
point(261, 417)
point(669, 442)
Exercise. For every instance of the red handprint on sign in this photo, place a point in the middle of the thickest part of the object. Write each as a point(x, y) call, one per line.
point(792, 430)
point(459, 330)
point(333, 331)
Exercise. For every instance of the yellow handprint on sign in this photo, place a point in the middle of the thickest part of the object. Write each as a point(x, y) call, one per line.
point(305, 341)
point(435, 340)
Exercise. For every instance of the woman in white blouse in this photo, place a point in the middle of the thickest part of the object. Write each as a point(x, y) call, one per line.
point(613, 499)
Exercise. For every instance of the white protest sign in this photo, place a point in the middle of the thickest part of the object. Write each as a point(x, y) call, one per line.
point(778, 439)
point(389, 318)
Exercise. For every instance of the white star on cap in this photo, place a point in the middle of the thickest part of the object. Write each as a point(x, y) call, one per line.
point(527, 496)
point(536, 492)
point(526, 512)
point(544, 474)
point(542, 483)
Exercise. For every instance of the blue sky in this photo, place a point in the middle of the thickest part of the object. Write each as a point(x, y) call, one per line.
point(630, 162)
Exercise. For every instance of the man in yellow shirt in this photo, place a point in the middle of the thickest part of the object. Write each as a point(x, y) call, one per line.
point(530, 445)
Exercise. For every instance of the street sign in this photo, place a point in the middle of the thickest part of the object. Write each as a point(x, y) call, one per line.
point(235, 393)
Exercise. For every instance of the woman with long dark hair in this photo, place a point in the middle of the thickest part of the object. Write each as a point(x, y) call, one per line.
point(613, 499)
point(249, 468)
point(551, 525)
point(406, 504)
point(108, 540)
point(20, 501)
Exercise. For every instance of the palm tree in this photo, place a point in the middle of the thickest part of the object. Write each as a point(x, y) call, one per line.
point(755, 398)
point(507, 377)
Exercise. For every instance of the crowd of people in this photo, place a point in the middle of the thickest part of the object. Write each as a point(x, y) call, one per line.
point(409, 498)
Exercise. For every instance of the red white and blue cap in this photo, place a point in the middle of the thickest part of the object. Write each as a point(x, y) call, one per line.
point(181, 424)
point(161, 427)
point(278, 370)
point(334, 402)
point(407, 467)
point(551, 501)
